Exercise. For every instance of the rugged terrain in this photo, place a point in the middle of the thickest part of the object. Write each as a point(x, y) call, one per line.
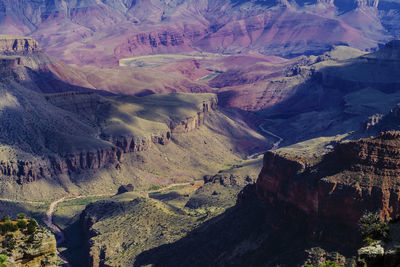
point(301, 205)
point(165, 217)
point(80, 132)
point(176, 128)
point(339, 92)
point(101, 33)
point(28, 246)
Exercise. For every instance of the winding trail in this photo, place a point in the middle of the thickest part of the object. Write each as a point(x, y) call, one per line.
point(55, 229)
point(53, 206)
point(165, 188)
point(60, 237)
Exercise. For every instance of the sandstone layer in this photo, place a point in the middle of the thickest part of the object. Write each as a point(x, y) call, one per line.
point(11, 45)
point(78, 32)
point(338, 188)
point(115, 144)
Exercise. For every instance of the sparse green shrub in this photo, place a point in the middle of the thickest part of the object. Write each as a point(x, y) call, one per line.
point(3, 230)
point(3, 260)
point(328, 263)
point(369, 241)
point(4, 218)
point(31, 238)
point(372, 228)
point(21, 216)
point(32, 226)
point(21, 223)
point(8, 227)
point(154, 187)
point(9, 242)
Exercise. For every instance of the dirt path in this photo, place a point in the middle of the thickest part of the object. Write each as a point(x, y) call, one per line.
point(53, 206)
point(166, 188)
point(60, 237)
point(22, 201)
point(49, 221)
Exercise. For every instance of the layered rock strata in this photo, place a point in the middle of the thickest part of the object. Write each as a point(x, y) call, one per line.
point(354, 178)
point(30, 171)
point(11, 45)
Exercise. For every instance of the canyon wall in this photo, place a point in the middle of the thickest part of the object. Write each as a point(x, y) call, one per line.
point(356, 177)
point(11, 45)
point(162, 41)
point(102, 157)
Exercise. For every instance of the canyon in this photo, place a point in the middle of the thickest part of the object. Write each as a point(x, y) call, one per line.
point(303, 206)
point(139, 129)
point(82, 129)
point(78, 32)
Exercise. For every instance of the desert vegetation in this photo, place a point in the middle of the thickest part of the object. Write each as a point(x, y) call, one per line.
point(9, 229)
point(328, 263)
point(373, 228)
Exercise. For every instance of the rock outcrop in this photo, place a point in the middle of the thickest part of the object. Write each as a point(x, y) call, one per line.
point(24, 171)
point(38, 249)
point(112, 146)
point(367, 3)
point(11, 45)
point(154, 42)
point(140, 224)
point(338, 188)
point(192, 123)
point(122, 29)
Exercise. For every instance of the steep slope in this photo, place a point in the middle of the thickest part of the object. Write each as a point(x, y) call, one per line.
point(118, 229)
point(335, 93)
point(27, 246)
point(302, 206)
point(359, 175)
point(79, 133)
point(78, 32)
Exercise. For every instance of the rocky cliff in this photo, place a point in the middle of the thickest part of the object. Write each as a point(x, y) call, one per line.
point(125, 28)
point(367, 3)
point(162, 41)
point(113, 144)
point(12, 45)
point(337, 188)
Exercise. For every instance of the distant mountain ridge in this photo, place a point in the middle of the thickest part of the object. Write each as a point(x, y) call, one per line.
point(102, 32)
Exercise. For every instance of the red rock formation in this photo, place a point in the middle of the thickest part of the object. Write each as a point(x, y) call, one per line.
point(162, 41)
point(101, 32)
point(356, 177)
point(24, 171)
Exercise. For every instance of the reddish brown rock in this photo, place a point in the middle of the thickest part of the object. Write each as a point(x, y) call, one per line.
point(356, 177)
point(162, 41)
